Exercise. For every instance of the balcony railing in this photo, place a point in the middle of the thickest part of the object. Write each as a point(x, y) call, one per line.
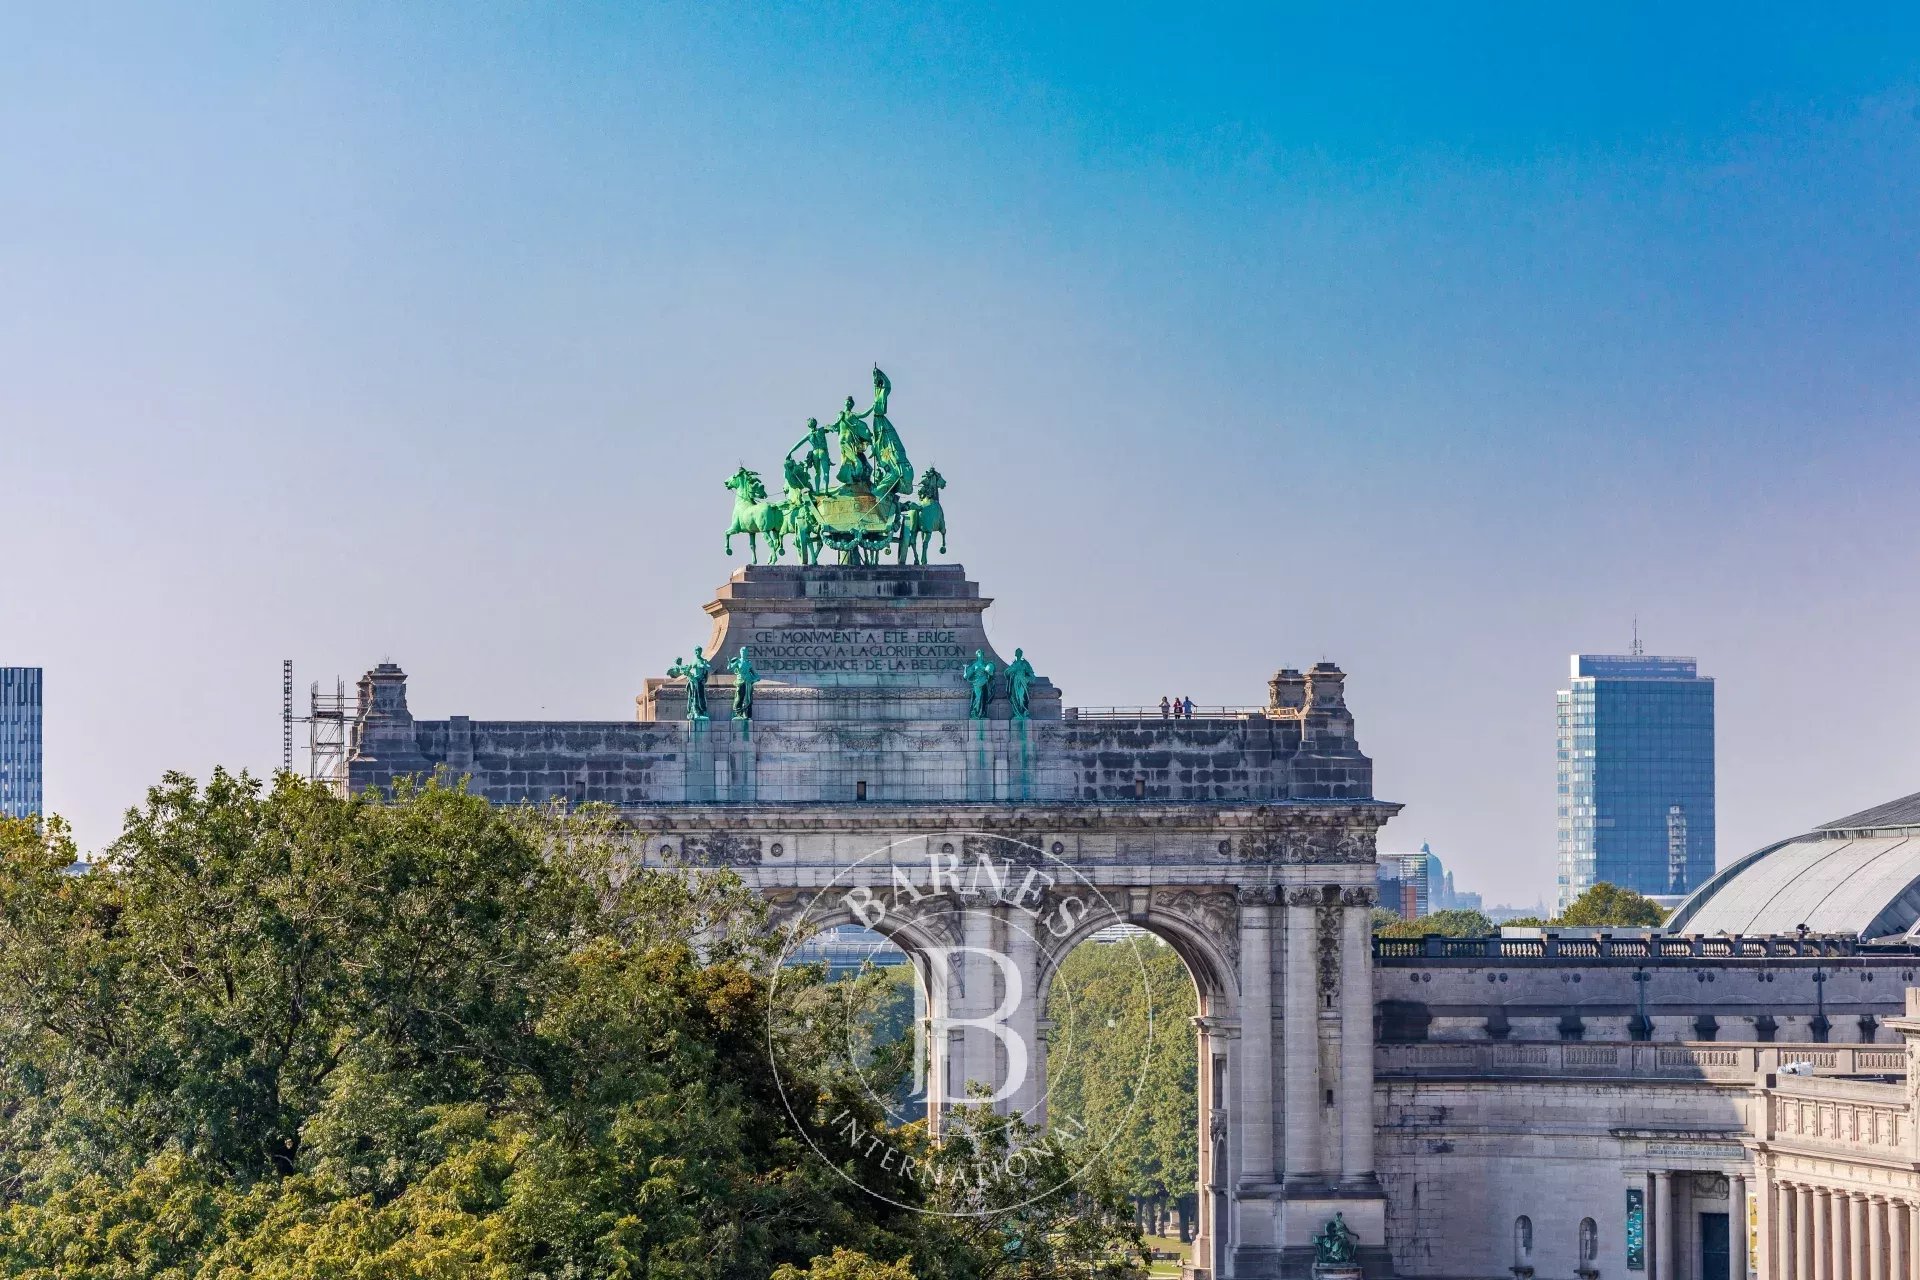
point(1153, 713)
point(1717, 1061)
point(1436, 947)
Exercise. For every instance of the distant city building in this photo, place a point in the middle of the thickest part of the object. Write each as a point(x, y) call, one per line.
point(1418, 884)
point(1406, 882)
point(20, 741)
point(1636, 775)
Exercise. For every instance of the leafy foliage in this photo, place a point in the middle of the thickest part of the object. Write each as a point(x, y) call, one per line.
point(1606, 903)
point(1451, 923)
point(1122, 1060)
point(284, 1034)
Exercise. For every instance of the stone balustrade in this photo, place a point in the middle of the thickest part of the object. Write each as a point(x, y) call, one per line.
point(1718, 1061)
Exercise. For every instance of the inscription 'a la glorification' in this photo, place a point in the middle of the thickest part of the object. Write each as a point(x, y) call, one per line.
point(790, 649)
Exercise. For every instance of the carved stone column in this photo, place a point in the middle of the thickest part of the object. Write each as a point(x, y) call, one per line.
point(1356, 1037)
point(1824, 1234)
point(1877, 1238)
point(1779, 1244)
point(1816, 1253)
point(1663, 1225)
point(973, 976)
point(1857, 1236)
point(1737, 1235)
point(1023, 1021)
point(1256, 1243)
point(1300, 1027)
point(1898, 1250)
point(1214, 1236)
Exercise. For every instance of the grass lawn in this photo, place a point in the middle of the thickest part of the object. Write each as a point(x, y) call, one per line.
point(1168, 1244)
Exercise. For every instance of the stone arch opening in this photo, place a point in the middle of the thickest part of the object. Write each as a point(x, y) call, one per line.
point(1172, 1151)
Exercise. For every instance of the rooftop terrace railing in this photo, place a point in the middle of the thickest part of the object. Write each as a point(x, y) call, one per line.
point(1199, 713)
point(1654, 947)
point(1716, 1061)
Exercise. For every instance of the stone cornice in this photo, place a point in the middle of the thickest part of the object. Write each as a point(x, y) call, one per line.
point(1014, 816)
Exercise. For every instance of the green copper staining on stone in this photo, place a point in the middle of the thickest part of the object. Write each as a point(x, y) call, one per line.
point(1019, 683)
point(859, 507)
point(744, 678)
point(979, 678)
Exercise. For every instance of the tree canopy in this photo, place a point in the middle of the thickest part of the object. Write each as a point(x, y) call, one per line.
point(279, 1033)
point(1122, 1059)
point(1605, 904)
point(1451, 923)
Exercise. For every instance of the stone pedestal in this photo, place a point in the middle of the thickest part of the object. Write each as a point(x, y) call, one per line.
point(849, 642)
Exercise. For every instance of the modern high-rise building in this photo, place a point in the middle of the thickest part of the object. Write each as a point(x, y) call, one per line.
point(19, 741)
point(1636, 775)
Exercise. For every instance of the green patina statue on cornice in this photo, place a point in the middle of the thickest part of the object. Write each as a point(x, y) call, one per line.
point(744, 678)
point(979, 678)
point(859, 507)
point(696, 673)
point(1019, 683)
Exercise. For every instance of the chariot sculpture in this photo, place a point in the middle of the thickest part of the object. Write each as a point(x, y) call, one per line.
point(859, 508)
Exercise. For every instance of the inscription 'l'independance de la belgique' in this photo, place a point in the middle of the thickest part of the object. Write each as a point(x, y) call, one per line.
point(859, 649)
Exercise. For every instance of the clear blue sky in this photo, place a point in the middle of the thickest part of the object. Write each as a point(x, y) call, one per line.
point(1435, 340)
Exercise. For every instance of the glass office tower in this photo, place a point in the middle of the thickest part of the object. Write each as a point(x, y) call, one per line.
point(19, 741)
point(1636, 775)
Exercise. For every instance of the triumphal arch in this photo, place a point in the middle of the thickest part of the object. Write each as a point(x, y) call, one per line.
point(850, 742)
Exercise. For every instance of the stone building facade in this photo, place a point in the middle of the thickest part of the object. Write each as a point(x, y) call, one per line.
point(1246, 840)
point(1837, 1170)
point(1473, 1108)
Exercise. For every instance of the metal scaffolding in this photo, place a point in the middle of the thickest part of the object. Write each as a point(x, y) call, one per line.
point(329, 722)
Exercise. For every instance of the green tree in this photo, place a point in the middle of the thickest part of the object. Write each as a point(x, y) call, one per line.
point(1451, 923)
point(1605, 904)
point(1122, 1061)
point(281, 1033)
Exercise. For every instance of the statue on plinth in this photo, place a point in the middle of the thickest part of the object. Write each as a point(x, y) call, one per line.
point(1335, 1250)
point(920, 520)
point(744, 678)
point(696, 673)
point(1019, 683)
point(817, 462)
point(753, 515)
point(859, 507)
point(979, 678)
point(896, 471)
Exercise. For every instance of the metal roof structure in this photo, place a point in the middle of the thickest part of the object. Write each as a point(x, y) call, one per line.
point(1855, 875)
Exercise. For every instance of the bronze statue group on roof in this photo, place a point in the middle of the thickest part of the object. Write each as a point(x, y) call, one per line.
point(859, 508)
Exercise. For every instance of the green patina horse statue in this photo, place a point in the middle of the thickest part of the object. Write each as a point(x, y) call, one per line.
point(753, 515)
point(921, 519)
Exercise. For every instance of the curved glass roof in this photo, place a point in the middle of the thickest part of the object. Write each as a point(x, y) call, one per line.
point(1859, 875)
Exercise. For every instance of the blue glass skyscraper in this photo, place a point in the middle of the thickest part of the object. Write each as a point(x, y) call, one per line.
point(19, 741)
point(1636, 775)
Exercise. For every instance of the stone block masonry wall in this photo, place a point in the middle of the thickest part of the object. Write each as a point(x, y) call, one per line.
point(1840, 999)
point(1463, 1162)
point(1251, 759)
